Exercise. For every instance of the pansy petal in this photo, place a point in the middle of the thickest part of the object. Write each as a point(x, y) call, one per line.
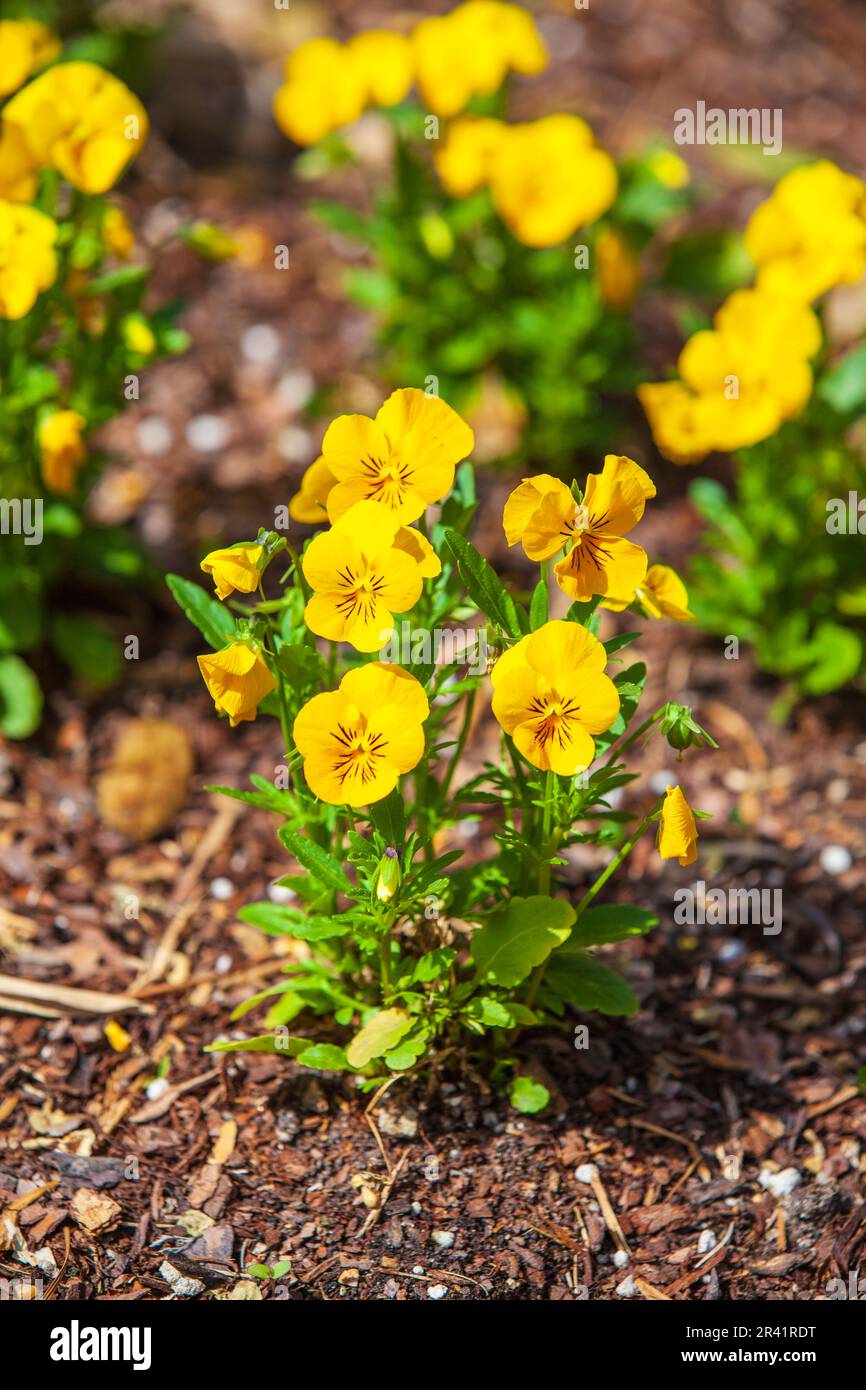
point(350, 443)
point(370, 526)
point(404, 738)
point(409, 416)
point(595, 696)
point(616, 497)
point(559, 648)
point(523, 501)
point(517, 697)
point(380, 683)
point(603, 564)
point(549, 527)
point(332, 560)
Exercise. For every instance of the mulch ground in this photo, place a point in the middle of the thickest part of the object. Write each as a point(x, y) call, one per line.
point(161, 1171)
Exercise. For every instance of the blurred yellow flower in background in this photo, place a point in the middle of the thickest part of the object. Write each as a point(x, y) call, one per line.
point(25, 46)
point(62, 449)
point(308, 504)
point(386, 63)
point(325, 88)
point(405, 458)
point(669, 168)
point(810, 234)
point(357, 740)
point(617, 269)
point(28, 264)
point(550, 693)
point(740, 380)
point(235, 567)
point(82, 121)
point(19, 172)
point(237, 679)
point(661, 595)
point(360, 577)
point(471, 50)
point(549, 178)
point(117, 235)
point(465, 158)
point(678, 835)
point(138, 335)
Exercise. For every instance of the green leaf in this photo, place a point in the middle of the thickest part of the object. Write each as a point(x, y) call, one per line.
point(538, 608)
point(276, 919)
point(380, 1035)
point(89, 649)
point(484, 586)
point(835, 654)
point(316, 861)
point(528, 1096)
point(20, 698)
point(844, 386)
point(324, 1057)
point(389, 818)
point(518, 936)
point(600, 925)
point(707, 263)
point(587, 984)
point(215, 622)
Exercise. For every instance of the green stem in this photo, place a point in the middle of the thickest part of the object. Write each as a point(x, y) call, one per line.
point(459, 746)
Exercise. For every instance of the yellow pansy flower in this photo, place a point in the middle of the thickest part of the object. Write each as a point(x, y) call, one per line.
point(661, 595)
point(117, 235)
point(740, 379)
point(617, 269)
point(359, 578)
point(81, 120)
point(356, 741)
point(465, 159)
point(25, 45)
point(325, 88)
point(386, 63)
point(678, 835)
point(681, 422)
point(470, 51)
point(410, 540)
point(810, 234)
point(19, 172)
point(62, 449)
point(550, 694)
point(234, 568)
point(405, 458)
point(549, 178)
point(543, 513)
point(237, 679)
point(28, 264)
point(308, 504)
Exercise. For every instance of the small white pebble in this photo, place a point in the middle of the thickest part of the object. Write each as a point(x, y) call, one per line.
point(587, 1172)
point(444, 1239)
point(416, 1208)
point(621, 1258)
point(207, 433)
point(731, 950)
point(260, 344)
point(706, 1242)
point(223, 964)
point(295, 389)
point(67, 807)
point(627, 1289)
point(437, 1291)
point(295, 445)
point(222, 889)
point(417, 1269)
point(780, 1184)
point(156, 1089)
point(279, 893)
point(154, 435)
point(835, 859)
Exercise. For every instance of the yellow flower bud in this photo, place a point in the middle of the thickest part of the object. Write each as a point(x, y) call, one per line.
point(237, 679)
point(388, 875)
point(236, 567)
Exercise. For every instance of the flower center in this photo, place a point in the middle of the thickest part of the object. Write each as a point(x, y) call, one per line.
point(581, 521)
point(359, 592)
point(555, 719)
point(387, 480)
point(357, 753)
